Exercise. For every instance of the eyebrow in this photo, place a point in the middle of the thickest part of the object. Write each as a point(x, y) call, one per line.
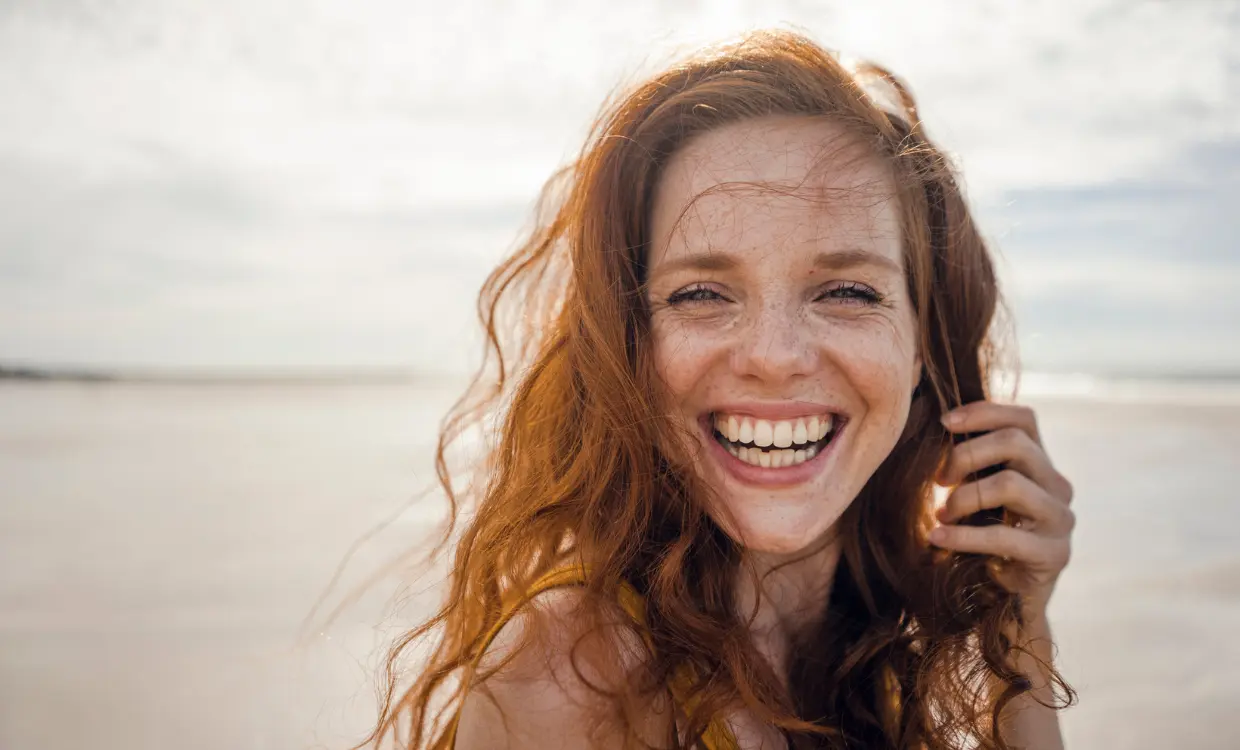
point(839, 260)
point(854, 257)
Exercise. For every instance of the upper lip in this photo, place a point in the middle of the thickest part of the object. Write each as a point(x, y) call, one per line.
point(773, 410)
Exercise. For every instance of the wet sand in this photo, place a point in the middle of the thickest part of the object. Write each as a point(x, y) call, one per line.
point(162, 545)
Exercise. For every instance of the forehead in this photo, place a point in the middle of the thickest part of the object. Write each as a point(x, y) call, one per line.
point(784, 180)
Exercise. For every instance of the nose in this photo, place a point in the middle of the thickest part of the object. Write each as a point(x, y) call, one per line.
point(776, 346)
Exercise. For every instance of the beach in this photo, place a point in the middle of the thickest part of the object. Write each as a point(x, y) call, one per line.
point(163, 547)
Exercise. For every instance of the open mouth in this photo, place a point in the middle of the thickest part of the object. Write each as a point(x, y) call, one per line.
point(774, 444)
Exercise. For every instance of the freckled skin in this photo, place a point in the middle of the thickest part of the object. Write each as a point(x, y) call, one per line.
point(774, 326)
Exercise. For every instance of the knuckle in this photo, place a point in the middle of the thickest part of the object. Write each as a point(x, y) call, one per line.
point(1068, 490)
point(1070, 521)
point(1020, 442)
point(1007, 482)
point(1010, 437)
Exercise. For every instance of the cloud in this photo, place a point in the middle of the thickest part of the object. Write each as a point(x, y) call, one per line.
point(1134, 274)
point(189, 268)
point(246, 183)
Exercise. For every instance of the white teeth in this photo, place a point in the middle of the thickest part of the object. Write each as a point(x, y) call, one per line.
point(797, 439)
point(824, 426)
point(745, 435)
point(773, 459)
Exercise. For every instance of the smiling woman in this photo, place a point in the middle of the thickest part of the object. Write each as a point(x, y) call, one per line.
point(803, 314)
point(758, 316)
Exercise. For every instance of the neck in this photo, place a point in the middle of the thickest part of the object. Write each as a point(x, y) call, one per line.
point(784, 593)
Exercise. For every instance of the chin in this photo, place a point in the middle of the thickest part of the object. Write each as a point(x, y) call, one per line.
point(769, 526)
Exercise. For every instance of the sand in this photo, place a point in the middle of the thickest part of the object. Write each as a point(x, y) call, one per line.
point(161, 546)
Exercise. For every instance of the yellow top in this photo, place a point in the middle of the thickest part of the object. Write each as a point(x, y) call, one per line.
point(718, 736)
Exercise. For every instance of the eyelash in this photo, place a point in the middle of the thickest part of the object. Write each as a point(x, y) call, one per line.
point(850, 290)
point(688, 295)
point(856, 291)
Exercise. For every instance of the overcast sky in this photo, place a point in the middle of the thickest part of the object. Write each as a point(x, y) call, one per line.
point(292, 183)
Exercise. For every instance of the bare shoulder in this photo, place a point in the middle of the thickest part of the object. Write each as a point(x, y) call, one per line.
point(548, 680)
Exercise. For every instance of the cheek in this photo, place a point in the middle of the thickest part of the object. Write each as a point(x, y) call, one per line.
point(682, 356)
point(883, 370)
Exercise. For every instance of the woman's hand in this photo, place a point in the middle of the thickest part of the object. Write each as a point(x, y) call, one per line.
point(1036, 546)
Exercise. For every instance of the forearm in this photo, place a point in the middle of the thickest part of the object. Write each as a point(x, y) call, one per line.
point(1027, 723)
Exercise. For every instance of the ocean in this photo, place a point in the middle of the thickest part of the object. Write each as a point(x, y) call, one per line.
point(164, 546)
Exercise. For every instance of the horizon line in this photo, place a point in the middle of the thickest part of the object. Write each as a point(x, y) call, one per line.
point(410, 374)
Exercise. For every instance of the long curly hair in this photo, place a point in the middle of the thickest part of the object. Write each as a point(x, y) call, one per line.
point(916, 646)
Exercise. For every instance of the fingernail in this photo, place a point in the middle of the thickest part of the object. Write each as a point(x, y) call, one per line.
point(937, 534)
point(951, 418)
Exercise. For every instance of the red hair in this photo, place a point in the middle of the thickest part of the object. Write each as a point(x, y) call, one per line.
point(914, 649)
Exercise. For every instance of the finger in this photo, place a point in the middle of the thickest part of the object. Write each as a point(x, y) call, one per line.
point(1007, 445)
point(1003, 541)
point(983, 416)
point(1014, 491)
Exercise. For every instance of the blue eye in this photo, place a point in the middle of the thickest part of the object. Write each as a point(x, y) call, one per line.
point(854, 292)
point(695, 293)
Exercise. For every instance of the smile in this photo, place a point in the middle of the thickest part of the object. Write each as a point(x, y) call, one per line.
point(774, 444)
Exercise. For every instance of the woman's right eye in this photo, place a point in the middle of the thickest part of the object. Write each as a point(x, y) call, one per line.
point(694, 294)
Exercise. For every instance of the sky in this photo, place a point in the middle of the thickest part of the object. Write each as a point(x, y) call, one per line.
point(300, 184)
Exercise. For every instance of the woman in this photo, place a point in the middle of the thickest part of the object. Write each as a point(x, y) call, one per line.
point(755, 335)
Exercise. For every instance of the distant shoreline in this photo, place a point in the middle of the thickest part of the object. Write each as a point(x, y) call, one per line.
point(36, 374)
point(1033, 382)
point(204, 376)
point(209, 377)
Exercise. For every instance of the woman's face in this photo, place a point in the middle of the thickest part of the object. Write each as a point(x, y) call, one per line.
point(781, 322)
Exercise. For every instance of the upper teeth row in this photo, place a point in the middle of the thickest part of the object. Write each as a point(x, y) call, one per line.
point(781, 434)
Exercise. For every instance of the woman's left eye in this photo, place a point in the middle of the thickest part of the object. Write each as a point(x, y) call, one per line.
point(852, 292)
point(695, 293)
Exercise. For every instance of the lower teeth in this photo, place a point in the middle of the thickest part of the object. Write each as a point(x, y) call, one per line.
point(774, 458)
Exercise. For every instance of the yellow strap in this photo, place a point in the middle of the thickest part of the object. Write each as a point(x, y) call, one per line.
point(717, 735)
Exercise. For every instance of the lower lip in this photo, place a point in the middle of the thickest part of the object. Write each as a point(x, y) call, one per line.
point(766, 476)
